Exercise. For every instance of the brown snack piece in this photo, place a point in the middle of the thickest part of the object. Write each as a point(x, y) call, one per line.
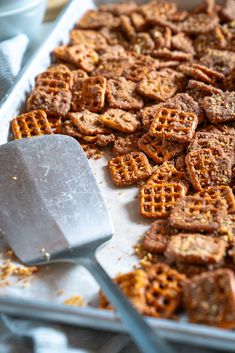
point(119, 9)
point(133, 285)
point(112, 67)
point(93, 93)
point(220, 108)
point(34, 123)
point(199, 23)
point(178, 16)
point(139, 22)
point(52, 83)
point(228, 10)
point(219, 192)
point(157, 237)
point(174, 124)
point(130, 168)
point(182, 42)
point(92, 151)
point(95, 20)
point(148, 113)
point(121, 94)
point(210, 298)
point(219, 60)
point(142, 43)
point(157, 200)
point(166, 54)
point(212, 40)
point(154, 10)
point(196, 214)
point(142, 66)
point(201, 86)
point(167, 173)
point(120, 120)
point(164, 291)
point(127, 27)
point(158, 149)
point(55, 124)
point(214, 75)
point(196, 249)
point(126, 144)
point(208, 167)
point(77, 101)
point(92, 39)
point(88, 123)
point(229, 82)
point(180, 162)
point(197, 74)
point(54, 101)
point(158, 86)
point(58, 74)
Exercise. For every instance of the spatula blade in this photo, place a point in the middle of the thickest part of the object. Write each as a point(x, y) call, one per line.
point(50, 201)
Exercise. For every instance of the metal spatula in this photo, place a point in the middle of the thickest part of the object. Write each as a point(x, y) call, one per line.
point(52, 211)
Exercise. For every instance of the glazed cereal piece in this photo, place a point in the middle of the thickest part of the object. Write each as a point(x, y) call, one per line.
point(129, 169)
point(126, 144)
point(120, 120)
point(196, 249)
point(195, 214)
point(119, 9)
point(166, 54)
point(92, 39)
point(56, 74)
point(210, 298)
point(164, 291)
point(182, 42)
point(52, 84)
point(220, 108)
point(158, 9)
point(208, 167)
point(34, 123)
point(121, 94)
point(95, 20)
point(201, 86)
point(167, 173)
point(52, 100)
point(157, 200)
point(158, 86)
point(141, 67)
point(127, 27)
point(199, 23)
point(158, 149)
point(219, 192)
point(93, 93)
point(88, 123)
point(157, 237)
point(174, 124)
point(219, 60)
point(142, 43)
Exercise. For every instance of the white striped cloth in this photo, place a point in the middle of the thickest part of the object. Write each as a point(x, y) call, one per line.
point(11, 55)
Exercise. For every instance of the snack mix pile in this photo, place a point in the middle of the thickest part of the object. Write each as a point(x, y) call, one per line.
point(156, 84)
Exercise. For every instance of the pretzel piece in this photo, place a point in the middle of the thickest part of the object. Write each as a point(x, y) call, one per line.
point(88, 123)
point(196, 249)
point(174, 124)
point(210, 298)
point(157, 200)
point(220, 108)
point(120, 120)
point(129, 169)
point(219, 192)
point(34, 123)
point(93, 93)
point(167, 173)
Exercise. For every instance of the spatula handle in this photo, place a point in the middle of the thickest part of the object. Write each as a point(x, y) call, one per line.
point(147, 340)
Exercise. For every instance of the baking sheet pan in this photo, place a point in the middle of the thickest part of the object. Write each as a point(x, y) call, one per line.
point(49, 288)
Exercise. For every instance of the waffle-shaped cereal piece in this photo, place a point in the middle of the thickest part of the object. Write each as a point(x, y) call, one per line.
point(88, 123)
point(52, 100)
point(46, 82)
point(167, 173)
point(31, 124)
point(158, 149)
point(220, 108)
point(208, 167)
point(219, 192)
point(164, 291)
point(121, 94)
point(174, 124)
point(58, 75)
point(196, 214)
point(129, 169)
point(93, 93)
point(156, 238)
point(157, 200)
point(210, 298)
point(196, 249)
point(120, 120)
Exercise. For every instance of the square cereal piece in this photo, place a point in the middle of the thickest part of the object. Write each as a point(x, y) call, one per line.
point(93, 93)
point(141, 67)
point(120, 120)
point(196, 214)
point(220, 108)
point(129, 169)
point(208, 167)
point(88, 123)
point(121, 94)
point(219, 192)
point(164, 290)
point(34, 123)
point(174, 124)
point(210, 298)
point(158, 149)
point(51, 83)
point(167, 173)
point(96, 19)
point(112, 67)
point(56, 74)
point(54, 101)
point(157, 200)
point(196, 249)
